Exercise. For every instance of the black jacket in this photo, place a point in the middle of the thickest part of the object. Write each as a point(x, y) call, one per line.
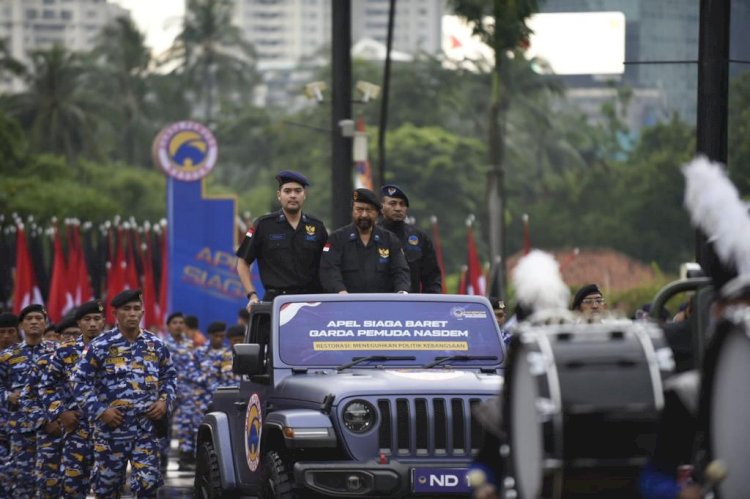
point(420, 255)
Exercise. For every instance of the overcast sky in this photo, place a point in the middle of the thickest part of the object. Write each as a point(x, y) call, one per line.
point(159, 19)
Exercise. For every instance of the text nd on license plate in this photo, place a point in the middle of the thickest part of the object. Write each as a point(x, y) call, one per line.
point(440, 480)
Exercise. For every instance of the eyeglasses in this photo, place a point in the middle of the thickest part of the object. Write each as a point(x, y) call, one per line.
point(591, 301)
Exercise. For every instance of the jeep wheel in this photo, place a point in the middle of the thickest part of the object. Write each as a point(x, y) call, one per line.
point(278, 482)
point(207, 483)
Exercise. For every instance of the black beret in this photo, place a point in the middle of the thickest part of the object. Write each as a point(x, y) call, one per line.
point(127, 296)
point(588, 289)
point(216, 327)
point(90, 307)
point(365, 196)
point(497, 303)
point(393, 191)
point(291, 176)
point(174, 315)
point(65, 324)
point(236, 330)
point(8, 320)
point(34, 307)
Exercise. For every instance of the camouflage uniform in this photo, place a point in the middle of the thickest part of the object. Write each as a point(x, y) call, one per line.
point(185, 404)
point(113, 372)
point(56, 392)
point(18, 372)
point(216, 371)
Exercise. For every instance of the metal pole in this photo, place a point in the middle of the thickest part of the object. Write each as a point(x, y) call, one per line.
point(713, 93)
point(341, 109)
point(386, 90)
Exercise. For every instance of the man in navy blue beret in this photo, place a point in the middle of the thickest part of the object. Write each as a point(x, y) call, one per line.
point(418, 249)
point(286, 244)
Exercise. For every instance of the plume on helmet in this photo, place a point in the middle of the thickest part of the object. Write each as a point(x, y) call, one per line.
point(539, 285)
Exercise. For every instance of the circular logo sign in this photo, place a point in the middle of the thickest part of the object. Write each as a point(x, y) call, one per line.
point(185, 150)
point(253, 425)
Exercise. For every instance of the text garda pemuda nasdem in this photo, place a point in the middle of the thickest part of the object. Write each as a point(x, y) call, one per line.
point(388, 329)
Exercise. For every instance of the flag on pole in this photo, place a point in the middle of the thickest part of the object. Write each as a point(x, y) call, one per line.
point(60, 300)
point(462, 281)
point(79, 273)
point(362, 169)
point(164, 276)
point(26, 289)
point(475, 280)
point(526, 235)
point(150, 316)
point(438, 251)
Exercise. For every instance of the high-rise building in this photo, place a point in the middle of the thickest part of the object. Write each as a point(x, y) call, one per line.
point(26, 25)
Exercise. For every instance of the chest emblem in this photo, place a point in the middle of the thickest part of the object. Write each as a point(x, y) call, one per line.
point(384, 252)
point(310, 229)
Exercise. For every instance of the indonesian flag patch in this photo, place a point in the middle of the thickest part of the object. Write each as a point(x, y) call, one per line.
point(250, 232)
point(327, 248)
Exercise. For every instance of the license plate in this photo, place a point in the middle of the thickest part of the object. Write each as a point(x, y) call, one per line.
point(440, 480)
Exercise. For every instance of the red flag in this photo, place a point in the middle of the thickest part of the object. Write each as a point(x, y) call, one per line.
point(131, 271)
point(438, 251)
point(26, 289)
point(151, 317)
point(362, 169)
point(81, 283)
point(59, 299)
point(116, 281)
point(526, 235)
point(164, 277)
point(462, 281)
point(475, 281)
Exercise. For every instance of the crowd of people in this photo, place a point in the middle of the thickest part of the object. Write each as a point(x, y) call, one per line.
point(80, 401)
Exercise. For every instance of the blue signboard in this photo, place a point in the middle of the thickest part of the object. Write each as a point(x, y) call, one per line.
point(330, 333)
point(203, 280)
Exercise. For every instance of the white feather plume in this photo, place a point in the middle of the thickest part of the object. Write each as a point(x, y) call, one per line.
point(716, 209)
point(538, 282)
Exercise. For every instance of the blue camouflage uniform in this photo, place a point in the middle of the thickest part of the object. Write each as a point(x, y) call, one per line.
point(18, 372)
point(185, 404)
point(56, 392)
point(129, 376)
point(215, 371)
point(48, 446)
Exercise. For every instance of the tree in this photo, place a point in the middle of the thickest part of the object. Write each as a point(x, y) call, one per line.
point(212, 55)
point(57, 111)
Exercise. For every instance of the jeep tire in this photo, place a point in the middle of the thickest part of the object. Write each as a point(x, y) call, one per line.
point(207, 477)
point(278, 482)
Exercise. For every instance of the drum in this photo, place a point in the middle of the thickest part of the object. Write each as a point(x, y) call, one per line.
point(725, 404)
point(580, 407)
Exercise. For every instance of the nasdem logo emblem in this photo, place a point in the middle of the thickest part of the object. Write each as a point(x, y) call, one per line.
point(185, 150)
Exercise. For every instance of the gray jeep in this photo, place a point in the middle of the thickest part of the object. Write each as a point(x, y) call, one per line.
point(366, 395)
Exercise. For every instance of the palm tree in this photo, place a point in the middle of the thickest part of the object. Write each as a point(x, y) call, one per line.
point(8, 64)
point(58, 112)
point(123, 67)
point(212, 56)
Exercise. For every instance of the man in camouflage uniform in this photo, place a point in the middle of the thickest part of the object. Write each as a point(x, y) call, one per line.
point(126, 382)
point(181, 350)
point(8, 337)
point(19, 378)
point(60, 404)
point(214, 366)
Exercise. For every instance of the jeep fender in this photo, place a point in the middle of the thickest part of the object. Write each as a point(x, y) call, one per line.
point(215, 428)
point(311, 428)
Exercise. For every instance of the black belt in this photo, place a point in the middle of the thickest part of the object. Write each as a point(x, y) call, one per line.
point(288, 291)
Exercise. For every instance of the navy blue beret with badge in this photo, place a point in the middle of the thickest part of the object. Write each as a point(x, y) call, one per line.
point(393, 191)
point(34, 307)
point(216, 327)
point(285, 176)
point(127, 296)
point(65, 324)
point(8, 320)
point(366, 196)
point(90, 307)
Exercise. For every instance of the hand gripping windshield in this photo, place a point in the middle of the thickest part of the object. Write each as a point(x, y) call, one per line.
point(359, 360)
point(442, 360)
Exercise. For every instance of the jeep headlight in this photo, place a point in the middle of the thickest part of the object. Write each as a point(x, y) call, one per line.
point(359, 416)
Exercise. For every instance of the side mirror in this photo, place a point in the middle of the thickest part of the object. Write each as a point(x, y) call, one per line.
point(246, 359)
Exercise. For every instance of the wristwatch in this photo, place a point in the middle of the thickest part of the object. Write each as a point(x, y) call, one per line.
point(251, 293)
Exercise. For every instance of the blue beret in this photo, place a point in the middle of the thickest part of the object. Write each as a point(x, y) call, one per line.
point(365, 196)
point(127, 296)
point(34, 307)
point(216, 327)
point(290, 176)
point(394, 191)
point(65, 324)
point(90, 307)
point(8, 320)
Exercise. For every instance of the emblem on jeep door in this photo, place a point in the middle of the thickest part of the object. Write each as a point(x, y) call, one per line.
point(253, 425)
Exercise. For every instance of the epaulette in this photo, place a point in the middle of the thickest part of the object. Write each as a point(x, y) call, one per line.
point(267, 216)
point(312, 218)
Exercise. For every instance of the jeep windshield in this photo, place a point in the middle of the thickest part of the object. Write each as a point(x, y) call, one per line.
point(331, 332)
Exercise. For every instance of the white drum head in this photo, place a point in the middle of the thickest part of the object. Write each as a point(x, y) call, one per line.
point(525, 429)
point(730, 413)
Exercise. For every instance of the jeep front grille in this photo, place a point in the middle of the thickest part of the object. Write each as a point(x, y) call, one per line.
point(428, 427)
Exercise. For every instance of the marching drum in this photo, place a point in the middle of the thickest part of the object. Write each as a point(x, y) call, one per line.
point(725, 404)
point(581, 404)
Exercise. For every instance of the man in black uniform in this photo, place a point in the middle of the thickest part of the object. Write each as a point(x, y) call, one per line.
point(361, 257)
point(417, 246)
point(286, 243)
